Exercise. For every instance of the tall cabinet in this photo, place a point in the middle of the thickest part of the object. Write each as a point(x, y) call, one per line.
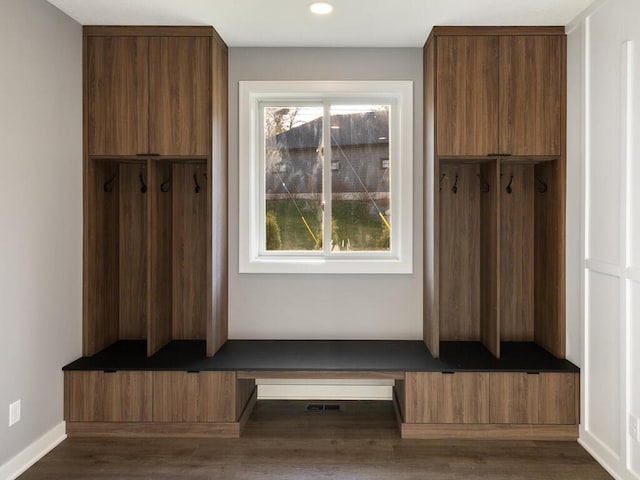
point(155, 163)
point(495, 108)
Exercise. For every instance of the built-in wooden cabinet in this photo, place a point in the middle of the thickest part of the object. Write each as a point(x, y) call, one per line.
point(498, 94)
point(147, 403)
point(490, 404)
point(155, 162)
point(148, 94)
point(495, 186)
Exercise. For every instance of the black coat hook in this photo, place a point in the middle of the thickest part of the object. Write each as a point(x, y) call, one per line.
point(108, 185)
point(543, 186)
point(143, 188)
point(484, 185)
point(509, 189)
point(195, 180)
point(164, 186)
point(454, 189)
point(442, 177)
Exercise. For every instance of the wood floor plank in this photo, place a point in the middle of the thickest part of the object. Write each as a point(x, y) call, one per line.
point(283, 441)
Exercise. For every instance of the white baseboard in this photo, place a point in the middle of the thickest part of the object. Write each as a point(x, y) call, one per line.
point(34, 452)
point(603, 456)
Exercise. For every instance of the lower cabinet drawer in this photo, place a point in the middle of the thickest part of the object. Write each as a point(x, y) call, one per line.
point(494, 398)
point(194, 397)
point(436, 397)
point(544, 398)
point(97, 396)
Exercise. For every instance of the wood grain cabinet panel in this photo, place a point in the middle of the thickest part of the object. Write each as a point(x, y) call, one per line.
point(464, 398)
point(446, 398)
point(180, 92)
point(421, 397)
point(545, 398)
point(116, 86)
point(531, 83)
point(513, 398)
point(97, 396)
point(194, 397)
point(148, 95)
point(557, 402)
point(467, 95)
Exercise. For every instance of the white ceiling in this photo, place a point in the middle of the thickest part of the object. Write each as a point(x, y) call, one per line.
point(353, 23)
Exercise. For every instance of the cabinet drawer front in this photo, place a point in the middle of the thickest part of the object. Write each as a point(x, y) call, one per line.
point(464, 398)
point(97, 396)
point(557, 403)
point(446, 398)
point(514, 398)
point(194, 397)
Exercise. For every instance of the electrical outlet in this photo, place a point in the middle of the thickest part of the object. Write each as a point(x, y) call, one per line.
point(633, 428)
point(14, 413)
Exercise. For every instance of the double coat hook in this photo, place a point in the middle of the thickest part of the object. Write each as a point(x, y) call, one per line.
point(108, 185)
point(143, 188)
point(509, 189)
point(195, 181)
point(543, 186)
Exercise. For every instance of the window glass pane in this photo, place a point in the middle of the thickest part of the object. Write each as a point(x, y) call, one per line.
point(293, 178)
point(360, 165)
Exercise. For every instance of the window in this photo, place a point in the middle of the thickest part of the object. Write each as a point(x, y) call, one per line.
point(313, 195)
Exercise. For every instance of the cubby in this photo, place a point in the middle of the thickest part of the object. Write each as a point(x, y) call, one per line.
point(116, 222)
point(148, 226)
point(531, 253)
point(499, 256)
point(468, 262)
point(177, 249)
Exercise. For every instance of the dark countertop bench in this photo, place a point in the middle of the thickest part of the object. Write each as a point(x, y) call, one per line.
point(324, 355)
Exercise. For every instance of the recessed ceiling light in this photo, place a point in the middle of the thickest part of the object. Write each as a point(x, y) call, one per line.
point(321, 8)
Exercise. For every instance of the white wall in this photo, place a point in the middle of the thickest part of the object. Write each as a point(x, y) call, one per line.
point(325, 306)
point(40, 214)
point(605, 91)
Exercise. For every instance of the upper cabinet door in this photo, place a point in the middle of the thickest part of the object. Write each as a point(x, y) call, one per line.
point(531, 79)
point(467, 95)
point(180, 106)
point(116, 86)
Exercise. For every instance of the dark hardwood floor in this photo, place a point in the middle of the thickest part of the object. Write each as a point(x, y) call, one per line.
point(283, 441)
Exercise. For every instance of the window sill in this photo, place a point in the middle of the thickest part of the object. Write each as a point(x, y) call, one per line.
point(323, 265)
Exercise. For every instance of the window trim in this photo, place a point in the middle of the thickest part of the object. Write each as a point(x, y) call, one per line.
point(252, 95)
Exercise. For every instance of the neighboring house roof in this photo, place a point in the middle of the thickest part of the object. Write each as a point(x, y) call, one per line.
point(354, 129)
point(364, 145)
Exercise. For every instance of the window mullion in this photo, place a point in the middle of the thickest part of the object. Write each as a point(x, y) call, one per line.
point(326, 179)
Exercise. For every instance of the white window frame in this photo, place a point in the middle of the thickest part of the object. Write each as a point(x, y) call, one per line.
point(252, 255)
